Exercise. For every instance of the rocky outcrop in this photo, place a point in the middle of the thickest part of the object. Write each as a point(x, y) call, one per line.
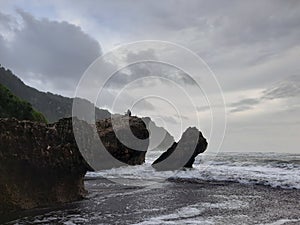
point(183, 153)
point(40, 164)
point(127, 139)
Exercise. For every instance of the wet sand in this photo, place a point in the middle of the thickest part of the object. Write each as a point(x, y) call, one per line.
point(172, 202)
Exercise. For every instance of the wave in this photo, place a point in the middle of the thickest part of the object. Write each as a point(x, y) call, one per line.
point(269, 169)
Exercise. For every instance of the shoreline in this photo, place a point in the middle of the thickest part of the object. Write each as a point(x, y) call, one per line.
point(178, 202)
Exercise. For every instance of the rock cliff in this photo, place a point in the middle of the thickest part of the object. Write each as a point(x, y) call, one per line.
point(126, 143)
point(40, 164)
point(183, 153)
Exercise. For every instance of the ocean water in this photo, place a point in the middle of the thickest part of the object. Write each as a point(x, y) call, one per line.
point(270, 169)
point(229, 188)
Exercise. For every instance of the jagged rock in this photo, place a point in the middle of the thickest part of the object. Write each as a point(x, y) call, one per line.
point(135, 135)
point(183, 153)
point(41, 164)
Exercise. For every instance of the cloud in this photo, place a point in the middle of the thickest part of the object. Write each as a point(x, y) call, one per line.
point(144, 105)
point(227, 36)
point(167, 119)
point(284, 89)
point(120, 102)
point(56, 53)
point(145, 66)
point(244, 104)
point(247, 101)
point(143, 54)
point(7, 23)
point(248, 45)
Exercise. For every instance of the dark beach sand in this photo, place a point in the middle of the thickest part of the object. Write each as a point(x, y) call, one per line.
point(172, 202)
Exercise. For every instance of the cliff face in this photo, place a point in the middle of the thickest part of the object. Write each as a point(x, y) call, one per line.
point(41, 165)
point(135, 136)
point(182, 153)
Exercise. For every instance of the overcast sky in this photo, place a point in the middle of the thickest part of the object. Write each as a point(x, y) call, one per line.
point(253, 48)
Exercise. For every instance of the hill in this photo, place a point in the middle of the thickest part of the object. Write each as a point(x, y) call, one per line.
point(13, 107)
point(54, 107)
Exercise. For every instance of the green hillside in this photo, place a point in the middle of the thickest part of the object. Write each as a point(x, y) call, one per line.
point(53, 106)
point(12, 106)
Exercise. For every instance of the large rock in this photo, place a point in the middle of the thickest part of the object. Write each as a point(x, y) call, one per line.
point(183, 153)
point(41, 165)
point(127, 139)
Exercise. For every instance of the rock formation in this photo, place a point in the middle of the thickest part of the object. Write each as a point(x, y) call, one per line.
point(183, 153)
point(40, 164)
point(112, 138)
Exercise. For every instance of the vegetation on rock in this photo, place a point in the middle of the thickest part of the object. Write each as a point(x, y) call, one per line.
point(12, 106)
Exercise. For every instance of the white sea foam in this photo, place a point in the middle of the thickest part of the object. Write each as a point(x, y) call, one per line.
point(195, 214)
point(283, 221)
point(185, 215)
point(271, 169)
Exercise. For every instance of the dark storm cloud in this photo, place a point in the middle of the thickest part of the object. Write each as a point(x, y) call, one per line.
point(50, 51)
point(248, 45)
point(227, 34)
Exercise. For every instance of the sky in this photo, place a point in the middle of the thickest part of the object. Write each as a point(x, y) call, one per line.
point(251, 47)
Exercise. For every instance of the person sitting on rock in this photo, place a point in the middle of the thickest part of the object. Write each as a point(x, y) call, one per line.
point(128, 113)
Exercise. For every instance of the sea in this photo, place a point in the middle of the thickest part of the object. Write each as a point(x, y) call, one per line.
point(224, 188)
